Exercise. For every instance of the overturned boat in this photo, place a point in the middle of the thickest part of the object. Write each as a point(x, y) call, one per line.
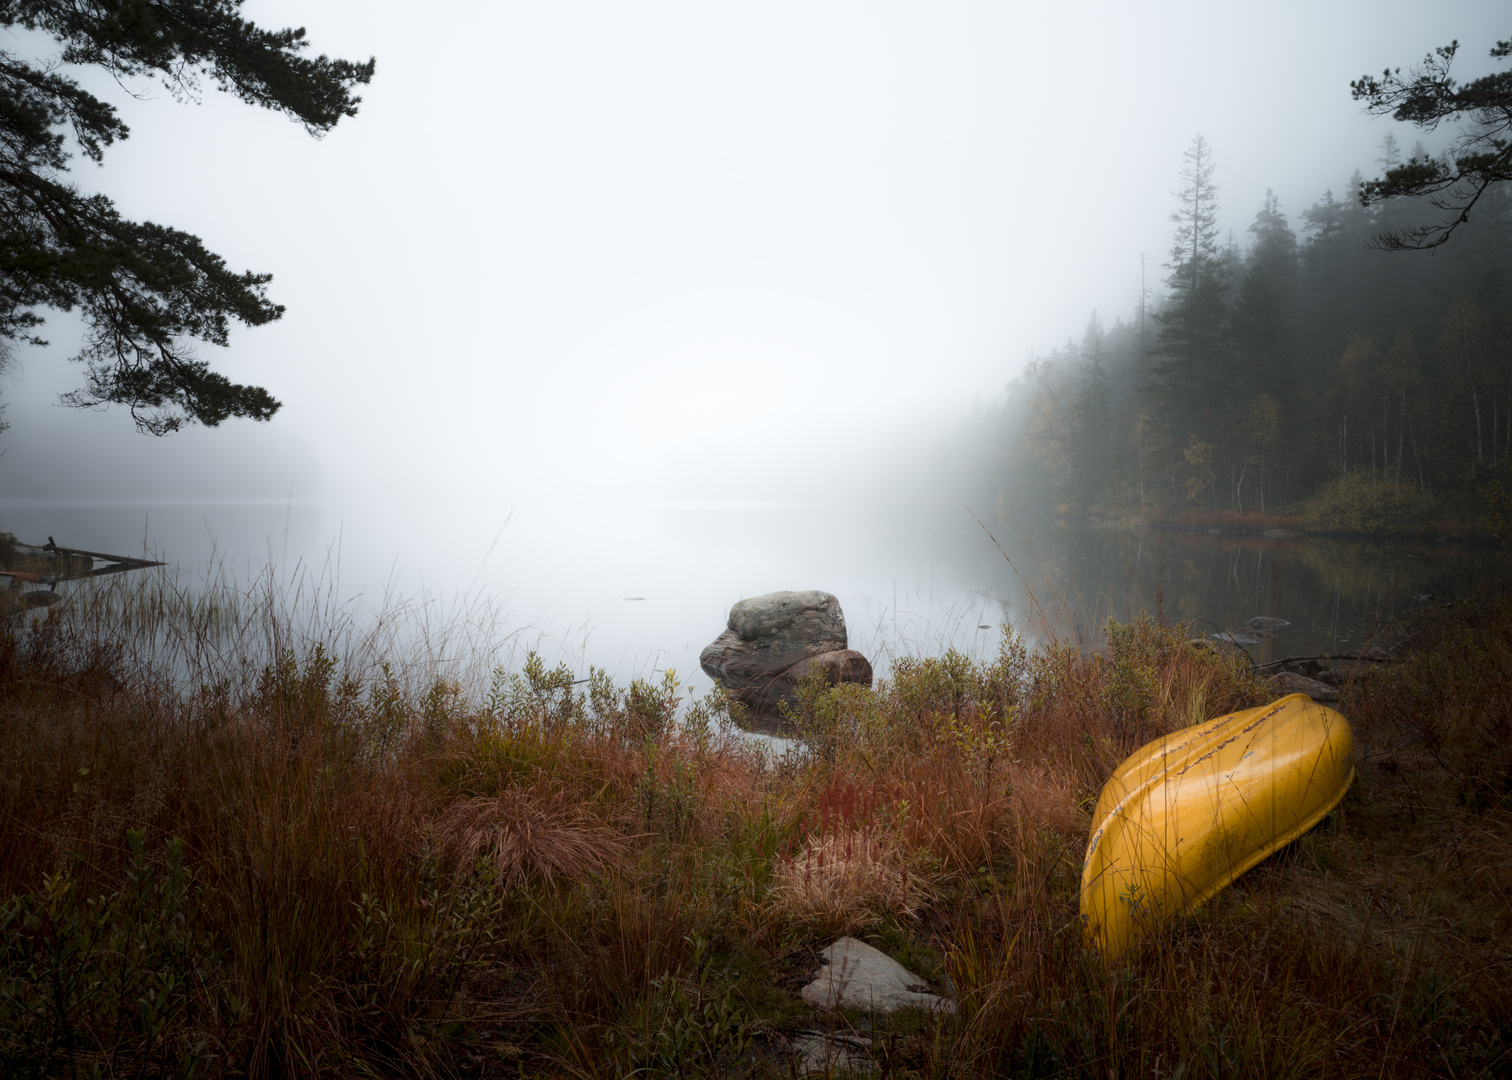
point(1185, 815)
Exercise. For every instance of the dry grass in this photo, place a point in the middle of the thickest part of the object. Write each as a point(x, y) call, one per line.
point(527, 837)
point(275, 853)
point(843, 881)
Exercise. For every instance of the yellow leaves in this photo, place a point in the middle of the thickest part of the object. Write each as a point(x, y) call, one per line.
point(1264, 427)
point(1200, 459)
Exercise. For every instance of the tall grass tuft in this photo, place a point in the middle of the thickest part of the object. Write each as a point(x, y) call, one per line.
point(527, 837)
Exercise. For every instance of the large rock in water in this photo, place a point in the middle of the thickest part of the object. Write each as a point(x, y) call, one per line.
point(775, 641)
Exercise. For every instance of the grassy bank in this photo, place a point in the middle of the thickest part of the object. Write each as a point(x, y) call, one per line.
point(307, 863)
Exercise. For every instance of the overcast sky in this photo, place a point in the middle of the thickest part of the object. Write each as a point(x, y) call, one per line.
point(610, 248)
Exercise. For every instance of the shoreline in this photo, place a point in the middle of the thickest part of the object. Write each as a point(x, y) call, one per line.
point(1275, 526)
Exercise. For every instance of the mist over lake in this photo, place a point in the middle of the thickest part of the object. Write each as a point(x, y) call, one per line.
point(637, 589)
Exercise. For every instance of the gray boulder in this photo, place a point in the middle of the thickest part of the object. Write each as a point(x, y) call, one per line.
point(843, 665)
point(1264, 623)
point(792, 616)
point(774, 642)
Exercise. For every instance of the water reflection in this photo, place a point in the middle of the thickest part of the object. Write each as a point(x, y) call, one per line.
point(1334, 594)
point(639, 588)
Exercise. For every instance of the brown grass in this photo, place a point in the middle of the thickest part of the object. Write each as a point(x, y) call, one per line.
point(293, 863)
point(527, 837)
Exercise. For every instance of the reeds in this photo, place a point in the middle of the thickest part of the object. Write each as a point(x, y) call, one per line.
point(238, 839)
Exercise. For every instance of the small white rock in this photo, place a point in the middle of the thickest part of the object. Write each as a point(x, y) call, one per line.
point(857, 976)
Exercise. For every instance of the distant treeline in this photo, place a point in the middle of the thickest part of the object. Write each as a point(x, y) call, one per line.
point(1312, 373)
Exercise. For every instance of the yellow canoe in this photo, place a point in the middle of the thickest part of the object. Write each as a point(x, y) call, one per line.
point(1188, 813)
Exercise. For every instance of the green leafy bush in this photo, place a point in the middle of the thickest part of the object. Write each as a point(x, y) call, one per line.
point(113, 984)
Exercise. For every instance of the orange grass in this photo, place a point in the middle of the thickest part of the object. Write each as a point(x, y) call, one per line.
point(292, 861)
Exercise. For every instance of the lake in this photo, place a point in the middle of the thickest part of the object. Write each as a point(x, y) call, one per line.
point(637, 588)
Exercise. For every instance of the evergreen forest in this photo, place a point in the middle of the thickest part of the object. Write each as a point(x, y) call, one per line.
point(1300, 370)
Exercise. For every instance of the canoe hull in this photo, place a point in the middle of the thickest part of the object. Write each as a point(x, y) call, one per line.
point(1185, 815)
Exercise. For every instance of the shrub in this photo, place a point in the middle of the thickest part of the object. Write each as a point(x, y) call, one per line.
point(117, 983)
point(1361, 506)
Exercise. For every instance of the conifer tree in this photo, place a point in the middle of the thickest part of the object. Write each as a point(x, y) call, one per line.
point(1338, 292)
point(1274, 247)
point(1193, 341)
point(146, 291)
point(1265, 347)
point(1479, 157)
point(1094, 417)
point(1194, 248)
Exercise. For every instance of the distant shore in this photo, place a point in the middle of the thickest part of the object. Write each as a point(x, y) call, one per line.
point(1290, 522)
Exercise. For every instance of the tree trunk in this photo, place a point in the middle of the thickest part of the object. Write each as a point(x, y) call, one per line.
point(1401, 430)
point(1480, 455)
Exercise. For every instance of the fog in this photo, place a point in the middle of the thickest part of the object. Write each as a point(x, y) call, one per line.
point(679, 253)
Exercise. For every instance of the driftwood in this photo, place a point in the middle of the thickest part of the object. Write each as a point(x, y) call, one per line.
point(119, 563)
point(46, 566)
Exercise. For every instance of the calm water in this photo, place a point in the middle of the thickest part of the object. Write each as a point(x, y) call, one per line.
point(640, 588)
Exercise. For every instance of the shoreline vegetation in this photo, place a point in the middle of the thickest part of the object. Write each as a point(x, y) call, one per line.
point(1286, 525)
point(241, 840)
